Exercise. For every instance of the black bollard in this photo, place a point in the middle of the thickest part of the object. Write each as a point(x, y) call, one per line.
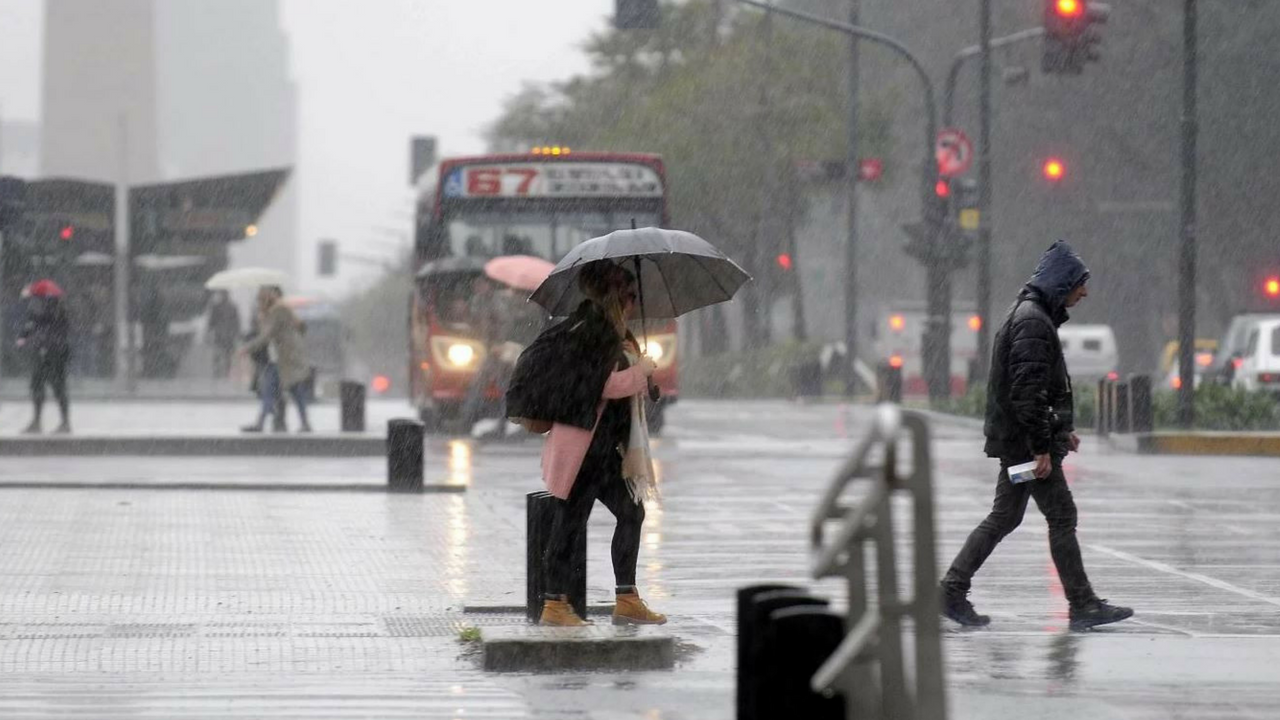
point(748, 674)
point(540, 509)
point(351, 396)
point(755, 674)
point(1121, 410)
point(1102, 408)
point(404, 455)
point(889, 380)
point(1141, 416)
point(799, 639)
point(806, 378)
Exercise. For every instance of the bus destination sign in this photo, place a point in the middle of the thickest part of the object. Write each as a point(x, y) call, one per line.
point(551, 180)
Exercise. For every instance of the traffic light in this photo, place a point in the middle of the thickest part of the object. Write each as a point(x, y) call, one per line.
point(1271, 287)
point(1053, 169)
point(784, 261)
point(635, 14)
point(327, 258)
point(67, 232)
point(1071, 35)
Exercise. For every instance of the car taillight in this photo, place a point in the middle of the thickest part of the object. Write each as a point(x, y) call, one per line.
point(1268, 377)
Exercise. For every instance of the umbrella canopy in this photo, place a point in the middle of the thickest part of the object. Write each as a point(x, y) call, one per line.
point(677, 272)
point(44, 289)
point(522, 272)
point(245, 277)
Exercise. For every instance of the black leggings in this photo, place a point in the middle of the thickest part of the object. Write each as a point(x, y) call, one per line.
point(51, 370)
point(600, 479)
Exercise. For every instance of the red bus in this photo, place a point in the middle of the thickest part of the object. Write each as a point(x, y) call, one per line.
point(543, 203)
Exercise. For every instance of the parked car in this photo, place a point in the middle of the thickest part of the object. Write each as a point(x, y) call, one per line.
point(1090, 351)
point(1205, 352)
point(1230, 356)
point(1260, 366)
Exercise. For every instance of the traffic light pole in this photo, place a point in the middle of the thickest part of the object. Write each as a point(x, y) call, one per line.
point(851, 244)
point(983, 299)
point(1187, 257)
point(983, 52)
point(936, 353)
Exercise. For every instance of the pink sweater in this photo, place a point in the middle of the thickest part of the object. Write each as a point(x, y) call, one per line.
point(567, 446)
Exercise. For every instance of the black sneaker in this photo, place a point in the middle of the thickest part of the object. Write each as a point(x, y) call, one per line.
point(957, 607)
point(1097, 612)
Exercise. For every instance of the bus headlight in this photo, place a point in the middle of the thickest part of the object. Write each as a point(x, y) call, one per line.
point(461, 354)
point(662, 350)
point(456, 354)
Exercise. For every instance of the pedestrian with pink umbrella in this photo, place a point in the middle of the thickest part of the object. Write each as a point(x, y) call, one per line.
point(46, 335)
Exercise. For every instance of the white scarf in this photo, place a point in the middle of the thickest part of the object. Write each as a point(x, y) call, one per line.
point(637, 461)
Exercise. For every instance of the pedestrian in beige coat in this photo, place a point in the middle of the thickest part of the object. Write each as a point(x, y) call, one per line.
point(281, 335)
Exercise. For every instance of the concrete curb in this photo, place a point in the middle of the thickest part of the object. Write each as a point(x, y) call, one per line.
point(1199, 443)
point(596, 647)
point(196, 446)
point(380, 488)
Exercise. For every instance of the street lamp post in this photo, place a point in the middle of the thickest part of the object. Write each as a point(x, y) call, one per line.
point(936, 355)
point(1187, 256)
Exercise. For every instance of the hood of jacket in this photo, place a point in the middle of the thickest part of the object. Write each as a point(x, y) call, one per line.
point(1059, 271)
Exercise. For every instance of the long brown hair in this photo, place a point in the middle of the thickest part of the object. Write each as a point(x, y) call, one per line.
point(603, 283)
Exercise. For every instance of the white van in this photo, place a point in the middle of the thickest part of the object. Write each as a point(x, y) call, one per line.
point(1260, 366)
point(1090, 351)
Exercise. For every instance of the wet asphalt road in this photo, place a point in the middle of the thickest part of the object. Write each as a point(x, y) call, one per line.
point(166, 603)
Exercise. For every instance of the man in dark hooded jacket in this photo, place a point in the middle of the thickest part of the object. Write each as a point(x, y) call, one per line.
point(1030, 418)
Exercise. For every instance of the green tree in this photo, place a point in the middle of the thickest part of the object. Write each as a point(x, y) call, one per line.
point(732, 113)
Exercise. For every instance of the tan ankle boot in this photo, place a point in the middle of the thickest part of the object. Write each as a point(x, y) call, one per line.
point(559, 613)
point(631, 610)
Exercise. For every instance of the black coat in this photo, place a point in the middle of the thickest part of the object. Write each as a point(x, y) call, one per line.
point(561, 376)
point(47, 331)
point(1030, 409)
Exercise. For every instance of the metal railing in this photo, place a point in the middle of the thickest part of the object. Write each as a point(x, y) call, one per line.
point(869, 667)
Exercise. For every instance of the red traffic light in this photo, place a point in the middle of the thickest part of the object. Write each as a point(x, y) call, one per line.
point(1272, 287)
point(1068, 8)
point(784, 261)
point(1054, 169)
point(67, 232)
point(870, 169)
point(942, 189)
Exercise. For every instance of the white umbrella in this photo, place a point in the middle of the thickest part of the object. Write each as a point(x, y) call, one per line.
point(168, 262)
point(246, 277)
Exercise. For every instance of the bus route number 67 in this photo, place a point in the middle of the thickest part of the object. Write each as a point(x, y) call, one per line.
point(487, 181)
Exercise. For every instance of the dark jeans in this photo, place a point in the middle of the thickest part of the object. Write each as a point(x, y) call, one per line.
point(51, 370)
point(271, 395)
point(1053, 497)
point(600, 479)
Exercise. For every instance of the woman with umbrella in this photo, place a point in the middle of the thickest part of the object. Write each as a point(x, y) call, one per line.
point(46, 335)
point(599, 370)
point(585, 378)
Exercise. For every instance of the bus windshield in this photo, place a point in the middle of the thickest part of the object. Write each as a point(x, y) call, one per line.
point(548, 234)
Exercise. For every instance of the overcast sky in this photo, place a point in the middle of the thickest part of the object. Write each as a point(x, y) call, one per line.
point(370, 74)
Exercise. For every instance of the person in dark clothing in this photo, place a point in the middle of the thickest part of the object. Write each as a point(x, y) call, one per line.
point(584, 383)
point(224, 327)
point(1030, 417)
point(46, 335)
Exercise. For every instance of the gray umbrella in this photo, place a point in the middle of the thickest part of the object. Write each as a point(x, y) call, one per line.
point(677, 272)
